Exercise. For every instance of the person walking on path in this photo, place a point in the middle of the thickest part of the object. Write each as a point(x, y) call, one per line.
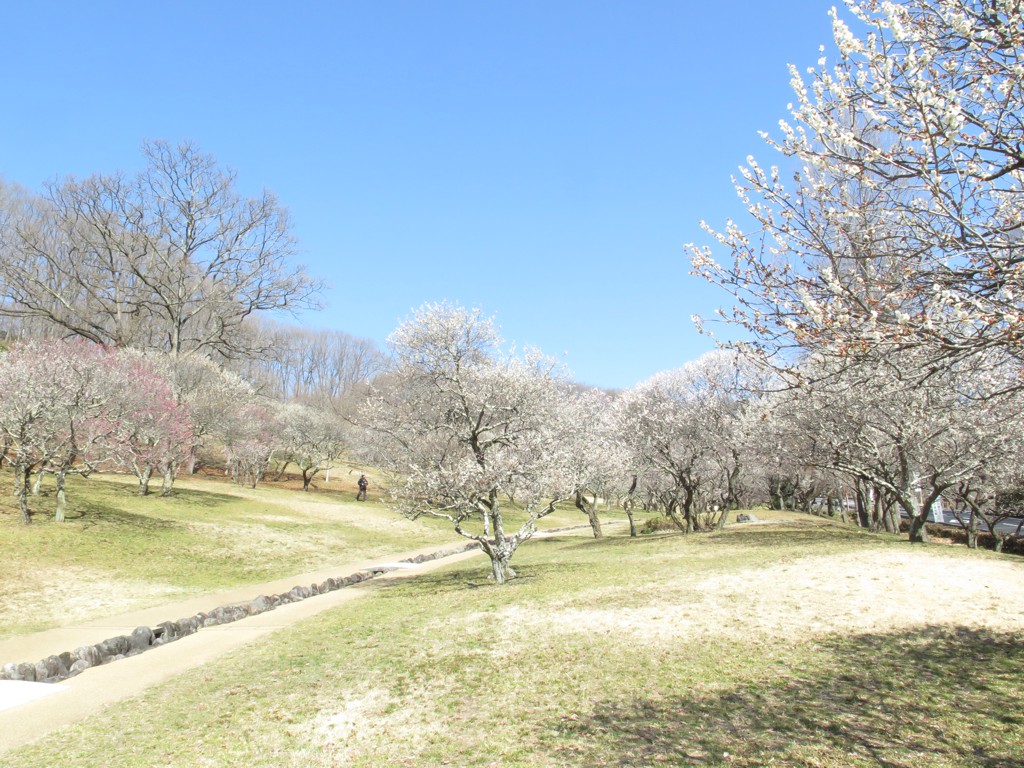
point(363, 483)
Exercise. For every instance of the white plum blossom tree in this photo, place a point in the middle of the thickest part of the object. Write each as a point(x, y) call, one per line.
point(881, 275)
point(596, 461)
point(42, 397)
point(990, 500)
point(463, 428)
point(896, 218)
point(911, 440)
point(311, 438)
point(681, 428)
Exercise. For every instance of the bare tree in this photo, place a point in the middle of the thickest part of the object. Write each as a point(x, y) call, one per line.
point(172, 259)
point(321, 366)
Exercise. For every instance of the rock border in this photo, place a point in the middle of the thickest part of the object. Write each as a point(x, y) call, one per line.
point(55, 668)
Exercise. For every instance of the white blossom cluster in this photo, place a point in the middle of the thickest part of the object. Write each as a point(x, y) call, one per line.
point(481, 436)
point(903, 219)
point(881, 277)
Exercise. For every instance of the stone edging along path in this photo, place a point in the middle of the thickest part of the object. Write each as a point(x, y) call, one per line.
point(59, 667)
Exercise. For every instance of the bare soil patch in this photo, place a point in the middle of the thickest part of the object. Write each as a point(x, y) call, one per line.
point(78, 594)
point(869, 591)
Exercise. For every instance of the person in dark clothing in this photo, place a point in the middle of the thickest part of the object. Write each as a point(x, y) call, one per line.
point(363, 483)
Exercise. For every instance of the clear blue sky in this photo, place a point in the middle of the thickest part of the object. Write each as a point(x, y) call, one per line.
point(546, 161)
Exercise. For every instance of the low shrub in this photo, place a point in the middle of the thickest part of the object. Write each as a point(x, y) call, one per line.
point(1012, 546)
point(658, 525)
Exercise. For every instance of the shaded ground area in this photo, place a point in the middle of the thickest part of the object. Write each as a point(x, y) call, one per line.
point(874, 698)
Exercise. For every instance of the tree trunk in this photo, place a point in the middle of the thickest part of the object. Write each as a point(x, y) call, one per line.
point(627, 507)
point(492, 516)
point(863, 505)
point(168, 483)
point(891, 518)
point(918, 531)
point(890, 515)
point(24, 472)
point(501, 549)
point(732, 481)
point(688, 516)
point(501, 569)
point(972, 532)
point(775, 494)
point(144, 474)
point(62, 499)
point(877, 523)
point(590, 510)
point(671, 511)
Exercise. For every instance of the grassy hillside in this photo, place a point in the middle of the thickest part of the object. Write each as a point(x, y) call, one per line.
point(792, 643)
point(118, 552)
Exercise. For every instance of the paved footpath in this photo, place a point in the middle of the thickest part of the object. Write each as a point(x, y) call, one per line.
point(31, 711)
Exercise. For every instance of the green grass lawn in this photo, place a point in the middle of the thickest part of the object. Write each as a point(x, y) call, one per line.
point(118, 551)
point(796, 643)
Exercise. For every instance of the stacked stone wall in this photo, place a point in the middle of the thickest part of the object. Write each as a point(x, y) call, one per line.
point(59, 667)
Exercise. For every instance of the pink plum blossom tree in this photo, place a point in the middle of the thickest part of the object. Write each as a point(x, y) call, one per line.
point(154, 432)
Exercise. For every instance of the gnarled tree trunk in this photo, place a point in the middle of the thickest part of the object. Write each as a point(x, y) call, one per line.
point(589, 508)
point(60, 477)
point(23, 476)
point(144, 474)
point(168, 479)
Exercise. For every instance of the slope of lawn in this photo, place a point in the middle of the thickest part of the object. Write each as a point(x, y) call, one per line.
point(118, 551)
point(791, 643)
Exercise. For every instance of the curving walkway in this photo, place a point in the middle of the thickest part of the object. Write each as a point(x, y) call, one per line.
point(31, 711)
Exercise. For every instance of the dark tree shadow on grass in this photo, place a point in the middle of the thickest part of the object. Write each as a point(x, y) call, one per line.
point(786, 534)
point(180, 496)
point(920, 698)
point(92, 515)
